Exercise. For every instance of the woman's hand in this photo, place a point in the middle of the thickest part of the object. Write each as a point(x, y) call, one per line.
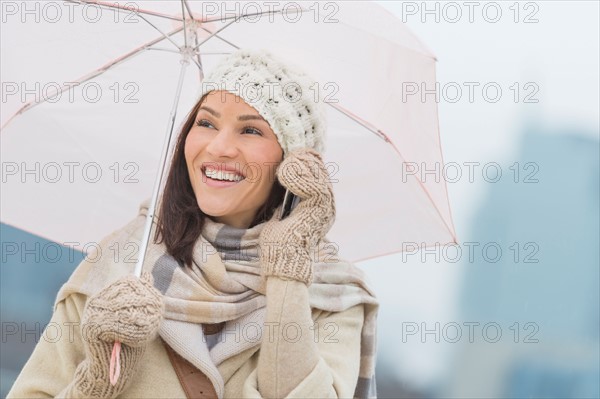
point(130, 311)
point(286, 244)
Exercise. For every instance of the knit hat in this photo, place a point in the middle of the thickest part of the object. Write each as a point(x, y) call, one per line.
point(280, 92)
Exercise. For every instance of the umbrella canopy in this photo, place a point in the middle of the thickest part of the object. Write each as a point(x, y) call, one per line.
point(88, 90)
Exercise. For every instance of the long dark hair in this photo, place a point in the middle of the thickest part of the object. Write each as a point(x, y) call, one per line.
point(180, 219)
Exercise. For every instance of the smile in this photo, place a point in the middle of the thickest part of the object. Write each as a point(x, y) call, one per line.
point(219, 179)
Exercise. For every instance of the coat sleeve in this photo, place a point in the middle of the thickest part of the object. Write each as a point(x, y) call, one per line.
point(302, 358)
point(51, 366)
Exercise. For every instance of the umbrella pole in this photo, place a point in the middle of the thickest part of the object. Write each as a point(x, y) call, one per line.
point(114, 367)
point(159, 174)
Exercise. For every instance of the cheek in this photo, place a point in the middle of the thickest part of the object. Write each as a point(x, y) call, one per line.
point(186, 153)
point(268, 174)
point(267, 168)
point(191, 148)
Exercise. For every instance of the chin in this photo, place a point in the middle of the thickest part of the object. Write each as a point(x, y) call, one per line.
point(211, 212)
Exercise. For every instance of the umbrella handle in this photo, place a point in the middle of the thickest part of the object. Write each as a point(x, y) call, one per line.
point(115, 362)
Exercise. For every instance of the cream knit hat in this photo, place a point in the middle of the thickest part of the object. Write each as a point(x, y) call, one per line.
point(283, 94)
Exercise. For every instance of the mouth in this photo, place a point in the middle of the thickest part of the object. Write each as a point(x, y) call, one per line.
point(217, 179)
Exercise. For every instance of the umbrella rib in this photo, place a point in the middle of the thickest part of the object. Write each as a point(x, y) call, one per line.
point(185, 41)
point(90, 75)
point(161, 32)
point(188, 8)
point(164, 49)
point(235, 18)
point(123, 8)
point(218, 37)
point(215, 34)
point(196, 62)
point(118, 7)
point(385, 137)
point(360, 121)
point(138, 12)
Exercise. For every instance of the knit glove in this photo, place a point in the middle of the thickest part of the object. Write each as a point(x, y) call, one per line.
point(130, 311)
point(286, 244)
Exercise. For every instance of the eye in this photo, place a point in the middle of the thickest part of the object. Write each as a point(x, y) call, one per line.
point(253, 130)
point(203, 123)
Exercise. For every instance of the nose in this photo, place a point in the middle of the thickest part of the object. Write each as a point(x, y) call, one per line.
point(223, 144)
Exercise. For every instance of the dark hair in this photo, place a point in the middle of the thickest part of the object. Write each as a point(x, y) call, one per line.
point(180, 219)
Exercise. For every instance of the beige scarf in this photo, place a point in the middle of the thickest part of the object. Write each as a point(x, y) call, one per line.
point(225, 284)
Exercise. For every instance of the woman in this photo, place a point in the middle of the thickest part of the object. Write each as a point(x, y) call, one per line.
point(233, 302)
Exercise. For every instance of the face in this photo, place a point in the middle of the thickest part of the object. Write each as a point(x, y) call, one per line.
point(231, 154)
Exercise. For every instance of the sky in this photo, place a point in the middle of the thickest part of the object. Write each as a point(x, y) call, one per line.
point(558, 57)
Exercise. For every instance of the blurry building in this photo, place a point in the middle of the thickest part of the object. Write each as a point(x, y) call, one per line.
point(31, 273)
point(543, 290)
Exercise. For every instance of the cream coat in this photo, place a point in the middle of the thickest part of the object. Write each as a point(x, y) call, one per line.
point(329, 372)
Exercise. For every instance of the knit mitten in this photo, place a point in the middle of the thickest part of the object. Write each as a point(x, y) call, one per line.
point(130, 311)
point(286, 244)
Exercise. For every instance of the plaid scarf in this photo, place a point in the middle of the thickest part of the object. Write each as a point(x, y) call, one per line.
point(225, 285)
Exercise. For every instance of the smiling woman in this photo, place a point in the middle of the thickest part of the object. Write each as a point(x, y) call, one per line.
point(233, 302)
point(229, 136)
point(222, 132)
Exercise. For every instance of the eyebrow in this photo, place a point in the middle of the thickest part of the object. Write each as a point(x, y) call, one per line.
point(240, 118)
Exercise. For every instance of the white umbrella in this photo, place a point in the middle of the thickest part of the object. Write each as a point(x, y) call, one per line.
point(78, 159)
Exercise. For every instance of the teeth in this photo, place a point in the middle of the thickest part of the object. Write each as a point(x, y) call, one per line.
point(220, 175)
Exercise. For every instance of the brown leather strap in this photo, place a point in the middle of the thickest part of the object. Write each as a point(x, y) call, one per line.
point(194, 382)
point(210, 329)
